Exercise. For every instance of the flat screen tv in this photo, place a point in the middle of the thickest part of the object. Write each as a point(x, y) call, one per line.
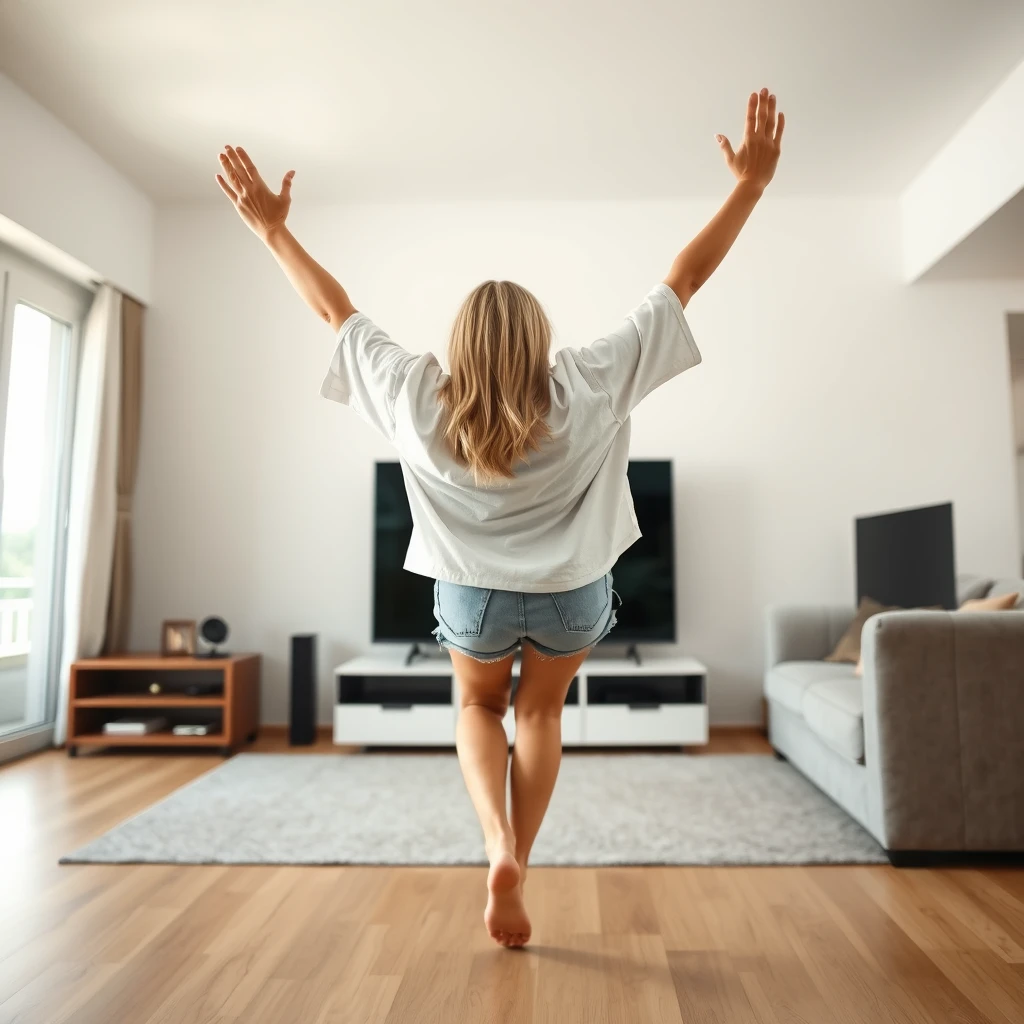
point(906, 558)
point(644, 575)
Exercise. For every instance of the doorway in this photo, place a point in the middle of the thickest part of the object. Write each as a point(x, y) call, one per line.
point(1015, 331)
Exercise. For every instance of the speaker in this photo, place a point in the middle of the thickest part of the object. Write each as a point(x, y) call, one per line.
point(302, 719)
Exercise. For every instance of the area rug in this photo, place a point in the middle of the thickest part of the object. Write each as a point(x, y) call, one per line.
point(413, 809)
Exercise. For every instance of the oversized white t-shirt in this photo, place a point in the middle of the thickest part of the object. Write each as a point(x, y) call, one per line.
point(567, 515)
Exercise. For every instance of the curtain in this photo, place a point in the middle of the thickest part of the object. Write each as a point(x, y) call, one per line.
point(118, 621)
point(92, 508)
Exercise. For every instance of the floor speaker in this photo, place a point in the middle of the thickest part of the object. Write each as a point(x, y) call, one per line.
point(302, 720)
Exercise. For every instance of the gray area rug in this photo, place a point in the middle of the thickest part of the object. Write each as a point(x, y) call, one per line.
point(413, 809)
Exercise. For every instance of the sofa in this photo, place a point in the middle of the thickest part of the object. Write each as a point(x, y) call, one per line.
point(926, 749)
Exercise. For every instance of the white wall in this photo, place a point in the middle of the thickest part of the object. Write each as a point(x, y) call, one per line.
point(54, 187)
point(828, 389)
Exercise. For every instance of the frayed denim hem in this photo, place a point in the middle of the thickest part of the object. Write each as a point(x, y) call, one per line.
point(485, 659)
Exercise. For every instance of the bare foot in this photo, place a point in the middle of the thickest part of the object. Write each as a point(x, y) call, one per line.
point(505, 916)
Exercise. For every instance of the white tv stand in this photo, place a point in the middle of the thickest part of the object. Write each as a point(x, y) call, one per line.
point(392, 700)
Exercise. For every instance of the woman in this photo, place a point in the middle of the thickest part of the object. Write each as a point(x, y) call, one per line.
point(516, 476)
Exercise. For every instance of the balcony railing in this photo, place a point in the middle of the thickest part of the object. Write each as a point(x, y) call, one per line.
point(15, 617)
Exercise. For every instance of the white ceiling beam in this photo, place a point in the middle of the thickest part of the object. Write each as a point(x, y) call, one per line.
point(978, 171)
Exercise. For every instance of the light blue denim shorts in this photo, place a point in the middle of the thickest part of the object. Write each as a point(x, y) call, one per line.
point(490, 624)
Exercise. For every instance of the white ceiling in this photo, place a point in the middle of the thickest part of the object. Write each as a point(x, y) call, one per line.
point(535, 99)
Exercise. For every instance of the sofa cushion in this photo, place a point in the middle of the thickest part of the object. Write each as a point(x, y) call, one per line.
point(1009, 586)
point(834, 711)
point(970, 587)
point(787, 682)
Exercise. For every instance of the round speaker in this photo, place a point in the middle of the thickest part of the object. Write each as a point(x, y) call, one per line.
point(214, 631)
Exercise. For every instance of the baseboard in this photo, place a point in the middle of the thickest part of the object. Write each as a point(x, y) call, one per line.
point(953, 858)
point(322, 731)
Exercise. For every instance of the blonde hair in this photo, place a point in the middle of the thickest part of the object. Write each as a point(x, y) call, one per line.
point(498, 393)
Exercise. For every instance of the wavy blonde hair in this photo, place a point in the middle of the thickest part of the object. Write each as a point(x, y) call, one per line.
point(498, 393)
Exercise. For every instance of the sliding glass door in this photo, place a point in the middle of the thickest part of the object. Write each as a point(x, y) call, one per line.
point(39, 329)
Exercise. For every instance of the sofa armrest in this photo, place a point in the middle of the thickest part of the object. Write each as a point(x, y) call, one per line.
point(803, 632)
point(944, 728)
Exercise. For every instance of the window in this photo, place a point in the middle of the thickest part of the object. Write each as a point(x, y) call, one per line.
point(41, 319)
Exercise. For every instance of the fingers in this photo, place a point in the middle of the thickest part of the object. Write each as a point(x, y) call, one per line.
point(726, 148)
point(236, 165)
point(250, 167)
point(778, 131)
point(769, 121)
point(750, 126)
point(228, 191)
point(286, 185)
point(231, 173)
point(762, 111)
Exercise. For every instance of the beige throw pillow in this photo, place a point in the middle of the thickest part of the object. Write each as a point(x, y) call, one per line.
point(848, 648)
point(1003, 603)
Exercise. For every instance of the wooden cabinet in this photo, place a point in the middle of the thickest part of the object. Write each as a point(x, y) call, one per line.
point(117, 686)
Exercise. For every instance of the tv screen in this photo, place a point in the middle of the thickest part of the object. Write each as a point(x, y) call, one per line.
point(644, 575)
point(906, 558)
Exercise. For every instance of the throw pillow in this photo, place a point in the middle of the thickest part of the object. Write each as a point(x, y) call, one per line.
point(1003, 603)
point(848, 648)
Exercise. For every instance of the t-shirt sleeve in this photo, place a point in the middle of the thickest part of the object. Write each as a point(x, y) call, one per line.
point(653, 345)
point(367, 372)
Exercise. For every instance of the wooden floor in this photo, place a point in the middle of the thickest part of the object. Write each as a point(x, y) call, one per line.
point(187, 945)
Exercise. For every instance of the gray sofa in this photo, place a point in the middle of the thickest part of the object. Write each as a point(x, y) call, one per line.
point(926, 751)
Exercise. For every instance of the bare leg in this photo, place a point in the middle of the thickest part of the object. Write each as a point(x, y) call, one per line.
point(483, 755)
point(543, 684)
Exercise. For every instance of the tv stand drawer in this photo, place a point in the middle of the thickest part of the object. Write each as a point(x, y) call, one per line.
point(388, 725)
point(624, 726)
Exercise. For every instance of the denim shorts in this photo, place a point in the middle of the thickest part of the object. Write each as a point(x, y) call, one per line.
point(490, 624)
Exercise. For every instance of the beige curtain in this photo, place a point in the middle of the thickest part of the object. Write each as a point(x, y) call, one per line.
point(127, 463)
point(92, 503)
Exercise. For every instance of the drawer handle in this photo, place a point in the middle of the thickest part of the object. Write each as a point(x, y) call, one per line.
point(396, 707)
point(645, 706)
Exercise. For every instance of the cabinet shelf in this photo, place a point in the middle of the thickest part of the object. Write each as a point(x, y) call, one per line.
point(144, 701)
point(151, 739)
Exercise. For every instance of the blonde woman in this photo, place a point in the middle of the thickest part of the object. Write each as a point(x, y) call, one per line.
point(516, 476)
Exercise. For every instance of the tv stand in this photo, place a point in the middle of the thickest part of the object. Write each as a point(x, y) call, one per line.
point(410, 699)
point(632, 651)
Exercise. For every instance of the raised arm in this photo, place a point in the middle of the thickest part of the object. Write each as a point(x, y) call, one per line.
point(754, 165)
point(265, 213)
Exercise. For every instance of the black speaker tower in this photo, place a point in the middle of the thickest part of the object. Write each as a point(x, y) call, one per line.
point(302, 727)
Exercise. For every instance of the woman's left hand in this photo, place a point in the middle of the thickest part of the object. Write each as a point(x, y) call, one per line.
point(755, 161)
point(261, 209)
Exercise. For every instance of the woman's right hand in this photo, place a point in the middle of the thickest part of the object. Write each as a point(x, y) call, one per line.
point(262, 210)
point(758, 156)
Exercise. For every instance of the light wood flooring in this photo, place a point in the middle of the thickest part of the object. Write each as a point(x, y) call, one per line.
point(99, 944)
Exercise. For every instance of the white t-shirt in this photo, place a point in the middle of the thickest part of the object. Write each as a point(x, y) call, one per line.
point(567, 515)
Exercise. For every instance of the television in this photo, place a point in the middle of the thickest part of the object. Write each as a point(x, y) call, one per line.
point(905, 558)
point(644, 575)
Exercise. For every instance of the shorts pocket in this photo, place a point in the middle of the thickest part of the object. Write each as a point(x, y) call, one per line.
point(582, 609)
point(460, 609)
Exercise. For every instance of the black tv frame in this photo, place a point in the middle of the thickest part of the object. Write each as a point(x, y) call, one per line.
point(615, 637)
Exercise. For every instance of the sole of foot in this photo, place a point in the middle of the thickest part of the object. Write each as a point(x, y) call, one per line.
point(505, 916)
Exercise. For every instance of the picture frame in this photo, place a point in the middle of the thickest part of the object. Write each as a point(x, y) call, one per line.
point(178, 638)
